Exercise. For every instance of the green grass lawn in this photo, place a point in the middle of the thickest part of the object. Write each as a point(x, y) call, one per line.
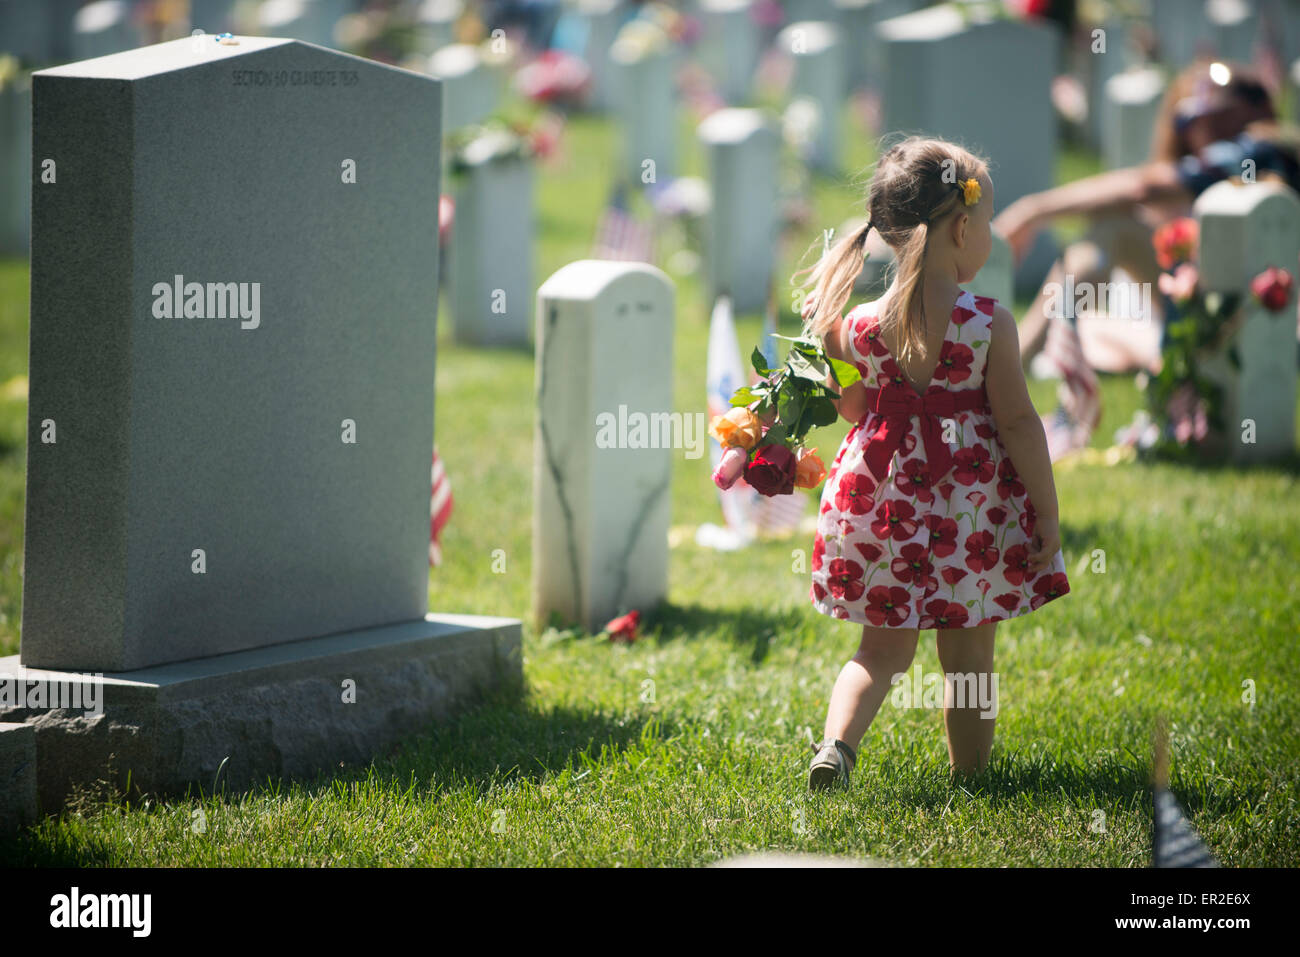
point(693, 743)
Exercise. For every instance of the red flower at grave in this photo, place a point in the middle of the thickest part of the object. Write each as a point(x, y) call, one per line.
point(1175, 242)
point(623, 628)
point(1272, 288)
point(887, 605)
point(845, 579)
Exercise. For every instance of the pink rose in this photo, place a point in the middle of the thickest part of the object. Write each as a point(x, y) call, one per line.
point(729, 467)
point(1181, 286)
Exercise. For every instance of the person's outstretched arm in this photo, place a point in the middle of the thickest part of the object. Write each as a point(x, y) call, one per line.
point(1021, 431)
point(1117, 189)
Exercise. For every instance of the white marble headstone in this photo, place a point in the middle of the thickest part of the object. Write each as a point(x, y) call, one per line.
point(643, 68)
point(605, 441)
point(490, 255)
point(729, 46)
point(15, 163)
point(101, 28)
point(1131, 106)
point(740, 250)
point(471, 89)
point(818, 55)
point(1245, 228)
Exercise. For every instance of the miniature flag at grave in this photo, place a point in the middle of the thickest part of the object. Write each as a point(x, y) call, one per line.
point(620, 236)
point(1071, 425)
point(1173, 842)
point(439, 508)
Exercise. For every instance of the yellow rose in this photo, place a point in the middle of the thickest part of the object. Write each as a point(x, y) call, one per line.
point(971, 191)
point(739, 428)
point(809, 470)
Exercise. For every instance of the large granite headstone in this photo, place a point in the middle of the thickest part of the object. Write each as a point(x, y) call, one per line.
point(742, 226)
point(984, 83)
point(603, 458)
point(1244, 229)
point(233, 295)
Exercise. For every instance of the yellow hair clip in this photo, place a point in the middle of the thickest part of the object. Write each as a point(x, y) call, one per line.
point(970, 191)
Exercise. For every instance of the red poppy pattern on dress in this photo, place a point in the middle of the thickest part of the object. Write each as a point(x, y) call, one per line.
point(913, 550)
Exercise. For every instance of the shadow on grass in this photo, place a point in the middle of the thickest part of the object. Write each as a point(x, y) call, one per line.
point(753, 627)
point(1107, 782)
point(511, 738)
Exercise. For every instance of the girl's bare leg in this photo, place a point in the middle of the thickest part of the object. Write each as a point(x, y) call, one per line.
point(865, 681)
point(963, 653)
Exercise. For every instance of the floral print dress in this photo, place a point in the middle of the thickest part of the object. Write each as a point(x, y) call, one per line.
point(924, 522)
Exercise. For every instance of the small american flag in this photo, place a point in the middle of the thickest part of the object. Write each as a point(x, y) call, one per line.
point(1173, 841)
point(1071, 425)
point(439, 508)
point(619, 235)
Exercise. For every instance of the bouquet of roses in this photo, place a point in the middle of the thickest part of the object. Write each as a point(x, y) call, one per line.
point(762, 436)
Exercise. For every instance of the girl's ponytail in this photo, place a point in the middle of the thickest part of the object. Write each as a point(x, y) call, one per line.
point(908, 299)
point(832, 280)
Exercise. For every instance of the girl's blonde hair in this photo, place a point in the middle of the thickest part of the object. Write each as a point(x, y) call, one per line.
point(917, 182)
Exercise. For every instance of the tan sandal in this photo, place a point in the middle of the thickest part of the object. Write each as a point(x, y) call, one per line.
point(832, 763)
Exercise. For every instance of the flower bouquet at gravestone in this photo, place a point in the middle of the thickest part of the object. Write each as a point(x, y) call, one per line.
point(517, 134)
point(763, 435)
point(1185, 406)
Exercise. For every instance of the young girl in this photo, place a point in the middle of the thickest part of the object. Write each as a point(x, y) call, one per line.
point(925, 521)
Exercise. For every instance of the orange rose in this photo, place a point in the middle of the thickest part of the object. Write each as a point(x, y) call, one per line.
point(810, 470)
point(739, 428)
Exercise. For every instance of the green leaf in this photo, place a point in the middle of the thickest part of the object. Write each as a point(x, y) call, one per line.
point(789, 406)
point(846, 373)
point(744, 396)
point(759, 363)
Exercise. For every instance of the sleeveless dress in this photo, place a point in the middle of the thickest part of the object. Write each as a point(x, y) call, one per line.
point(924, 522)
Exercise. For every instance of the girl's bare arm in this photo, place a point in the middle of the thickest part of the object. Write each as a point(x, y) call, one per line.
point(1021, 432)
point(852, 403)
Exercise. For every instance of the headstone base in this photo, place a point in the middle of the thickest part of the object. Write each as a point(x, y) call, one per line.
point(278, 711)
point(17, 776)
